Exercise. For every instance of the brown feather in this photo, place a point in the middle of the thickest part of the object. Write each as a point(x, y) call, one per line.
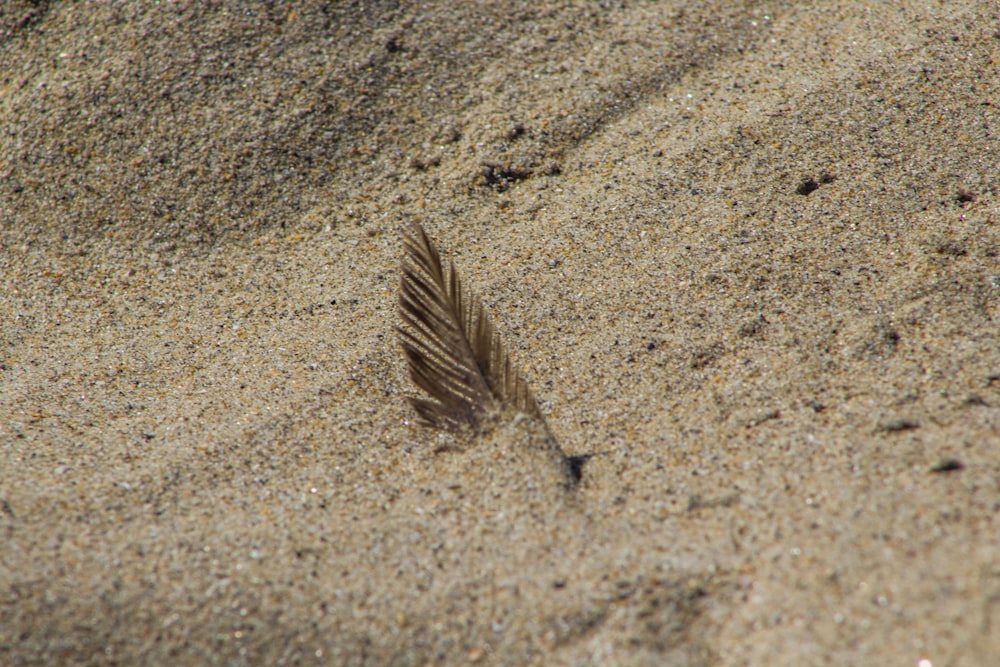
point(453, 350)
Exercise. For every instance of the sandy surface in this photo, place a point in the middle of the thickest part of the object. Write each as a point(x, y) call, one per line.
point(747, 253)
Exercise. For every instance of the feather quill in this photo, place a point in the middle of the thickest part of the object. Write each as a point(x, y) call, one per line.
point(452, 348)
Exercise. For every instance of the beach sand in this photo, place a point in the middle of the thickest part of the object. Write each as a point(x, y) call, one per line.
point(746, 253)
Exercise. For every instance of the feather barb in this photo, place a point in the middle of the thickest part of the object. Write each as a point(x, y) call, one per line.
point(452, 348)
